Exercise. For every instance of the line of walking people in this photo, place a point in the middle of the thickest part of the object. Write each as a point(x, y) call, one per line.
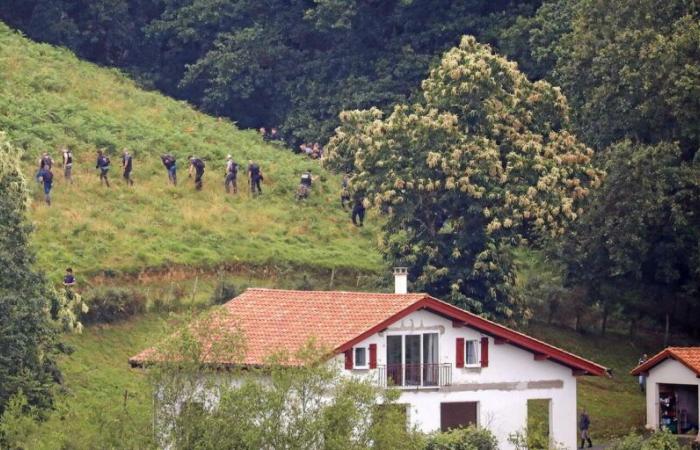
point(197, 167)
point(103, 164)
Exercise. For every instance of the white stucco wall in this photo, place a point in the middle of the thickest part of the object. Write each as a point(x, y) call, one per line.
point(668, 372)
point(502, 406)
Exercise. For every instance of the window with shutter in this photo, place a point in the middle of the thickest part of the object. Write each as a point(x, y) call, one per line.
point(484, 352)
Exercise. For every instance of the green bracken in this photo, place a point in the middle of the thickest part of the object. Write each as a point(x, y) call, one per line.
point(50, 99)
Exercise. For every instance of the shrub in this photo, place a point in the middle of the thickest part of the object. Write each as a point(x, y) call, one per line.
point(112, 304)
point(661, 440)
point(224, 291)
point(470, 438)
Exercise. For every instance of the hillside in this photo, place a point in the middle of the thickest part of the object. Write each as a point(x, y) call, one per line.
point(50, 99)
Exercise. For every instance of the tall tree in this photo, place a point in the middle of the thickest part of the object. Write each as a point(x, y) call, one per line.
point(482, 163)
point(27, 334)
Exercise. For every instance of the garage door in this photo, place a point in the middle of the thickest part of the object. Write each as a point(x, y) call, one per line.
point(457, 414)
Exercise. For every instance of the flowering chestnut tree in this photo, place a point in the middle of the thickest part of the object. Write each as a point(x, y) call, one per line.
point(483, 162)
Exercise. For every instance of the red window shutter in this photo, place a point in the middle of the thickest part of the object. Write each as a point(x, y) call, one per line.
point(348, 359)
point(372, 356)
point(484, 352)
point(459, 356)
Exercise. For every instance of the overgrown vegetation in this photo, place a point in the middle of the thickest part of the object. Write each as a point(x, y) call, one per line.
point(32, 314)
point(49, 99)
point(482, 164)
point(295, 65)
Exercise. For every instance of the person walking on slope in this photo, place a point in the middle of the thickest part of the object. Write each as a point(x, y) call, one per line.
point(255, 176)
point(45, 162)
point(45, 176)
point(345, 191)
point(305, 185)
point(231, 174)
point(171, 167)
point(197, 166)
point(127, 165)
point(68, 165)
point(583, 425)
point(103, 164)
point(358, 212)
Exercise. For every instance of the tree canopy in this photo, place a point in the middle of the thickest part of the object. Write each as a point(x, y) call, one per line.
point(483, 162)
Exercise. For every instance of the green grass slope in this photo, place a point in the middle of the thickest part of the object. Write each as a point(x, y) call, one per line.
point(49, 98)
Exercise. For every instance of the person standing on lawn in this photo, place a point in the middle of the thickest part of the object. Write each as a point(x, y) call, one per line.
point(127, 165)
point(171, 166)
point(231, 174)
point(68, 165)
point(103, 164)
point(45, 176)
point(358, 212)
point(584, 425)
point(255, 176)
point(197, 166)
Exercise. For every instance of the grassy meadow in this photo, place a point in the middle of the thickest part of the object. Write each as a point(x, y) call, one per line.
point(50, 99)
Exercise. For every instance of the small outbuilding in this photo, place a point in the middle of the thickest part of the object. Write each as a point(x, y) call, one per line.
point(672, 389)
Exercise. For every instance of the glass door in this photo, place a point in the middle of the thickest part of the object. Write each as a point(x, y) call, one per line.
point(413, 360)
point(431, 367)
point(394, 360)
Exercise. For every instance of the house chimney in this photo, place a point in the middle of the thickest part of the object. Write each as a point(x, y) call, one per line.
point(400, 280)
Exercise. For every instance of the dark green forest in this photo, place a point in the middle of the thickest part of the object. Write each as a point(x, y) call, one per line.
point(619, 237)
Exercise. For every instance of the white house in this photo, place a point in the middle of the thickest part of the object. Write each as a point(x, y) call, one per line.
point(453, 368)
point(672, 389)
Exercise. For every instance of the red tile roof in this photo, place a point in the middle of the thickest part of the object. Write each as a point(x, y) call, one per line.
point(273, 321)
point(688, 356)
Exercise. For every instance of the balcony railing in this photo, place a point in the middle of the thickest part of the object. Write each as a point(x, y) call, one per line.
point(414, 375)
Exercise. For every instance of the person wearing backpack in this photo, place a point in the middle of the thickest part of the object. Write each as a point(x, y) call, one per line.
point(171, 167)
point(103, 165)
point(255, 176)
point(358, 212)
point(45, 177)
point(68, 165)
point(231, 174)
point(197, 166)
point(127, 165)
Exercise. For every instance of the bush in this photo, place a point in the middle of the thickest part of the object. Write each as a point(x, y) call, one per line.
point(112, 304)
point(470, 438)
point(223, 292)
point(661, 440)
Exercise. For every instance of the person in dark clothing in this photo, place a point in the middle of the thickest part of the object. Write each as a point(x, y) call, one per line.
point(197, 165)
point(255, 176)
point(307, 179)
point(45, 161)
point(103, 164)
point(68, 165)
point(583, 425)
point(345, 191)
point(358, 212)
point(231, 173)
point(69, 279)
point(46, 177)
point(127, 165)
point(171, 167)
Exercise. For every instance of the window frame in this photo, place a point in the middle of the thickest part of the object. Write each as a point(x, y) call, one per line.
point(477, 351)
point(355, 365)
